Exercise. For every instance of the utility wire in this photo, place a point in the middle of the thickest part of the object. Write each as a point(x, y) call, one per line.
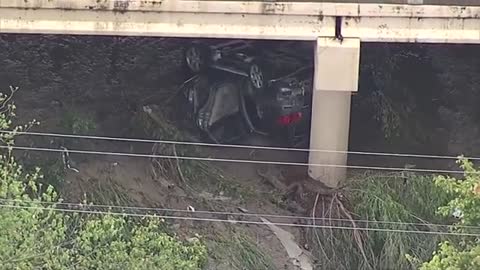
point(240, 221)
point(230, 160)
point(40, 149)
point(73, 136)
point(154, 209)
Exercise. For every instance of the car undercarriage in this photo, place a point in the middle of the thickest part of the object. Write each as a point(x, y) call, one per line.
point(237, 89)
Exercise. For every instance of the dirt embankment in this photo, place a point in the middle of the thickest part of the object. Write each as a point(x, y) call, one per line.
point(97, 85)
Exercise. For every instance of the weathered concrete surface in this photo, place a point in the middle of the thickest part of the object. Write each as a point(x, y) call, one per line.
point(329, 131)
point(327, 8)
point(195, 25)
point(336, 76)
point(256, 20)
point(400, 2)
point(337, 65)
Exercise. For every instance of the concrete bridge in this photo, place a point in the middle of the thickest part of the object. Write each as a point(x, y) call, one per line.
point(369, 20)
point(337, 26)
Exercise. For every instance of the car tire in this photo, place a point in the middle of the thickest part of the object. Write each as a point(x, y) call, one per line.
point(196, 58)
point(257, 75)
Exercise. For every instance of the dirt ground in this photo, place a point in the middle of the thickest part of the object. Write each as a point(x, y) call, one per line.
point(107, 84)
point(132, 181)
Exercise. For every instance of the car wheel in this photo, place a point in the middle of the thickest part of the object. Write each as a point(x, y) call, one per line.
point(257, 76)
point(196, 58)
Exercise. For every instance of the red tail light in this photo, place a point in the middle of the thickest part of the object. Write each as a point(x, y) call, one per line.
point(289, 119)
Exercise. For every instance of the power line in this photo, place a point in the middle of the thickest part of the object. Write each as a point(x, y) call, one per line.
point(241, 221)
point(265, 162)
point(73, 136)
point(70, 204)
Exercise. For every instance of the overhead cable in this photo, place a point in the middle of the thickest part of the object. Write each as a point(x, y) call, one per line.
point(265, 162)
point(251, 147)
point(243, 221)
point(154, 209)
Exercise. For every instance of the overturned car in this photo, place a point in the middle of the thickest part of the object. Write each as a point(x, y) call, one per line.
point(240, 87)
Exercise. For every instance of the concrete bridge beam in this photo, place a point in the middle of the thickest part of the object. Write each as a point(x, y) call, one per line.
point(335, 78)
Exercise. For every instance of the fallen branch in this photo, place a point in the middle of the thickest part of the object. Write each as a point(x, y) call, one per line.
point(356, 233)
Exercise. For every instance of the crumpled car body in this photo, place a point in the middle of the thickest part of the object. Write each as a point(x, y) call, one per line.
point(227, 102)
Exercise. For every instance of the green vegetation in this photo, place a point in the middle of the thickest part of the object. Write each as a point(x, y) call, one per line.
point(396, 199)
point(460, 253)
point(108, 192)
point(192, 175)
point(416, 201)
point(229, 248)
point(237, 251)
point(38, 232)
point(77, 123)
point(398, 85)
point(87, 71)
point(53, 171)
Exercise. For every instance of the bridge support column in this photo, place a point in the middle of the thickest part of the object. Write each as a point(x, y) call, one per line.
point(335, 78)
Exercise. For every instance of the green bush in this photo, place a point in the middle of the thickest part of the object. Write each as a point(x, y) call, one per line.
point(77, 123)
point(37, 234)
point(463, 253)
point(403, 201)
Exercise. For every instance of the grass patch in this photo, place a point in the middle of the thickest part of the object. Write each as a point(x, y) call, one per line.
point(107, 192)
point(237, 251)
point(53, 170)
point(390, 198)
point(193, 175)
point(78, 123)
